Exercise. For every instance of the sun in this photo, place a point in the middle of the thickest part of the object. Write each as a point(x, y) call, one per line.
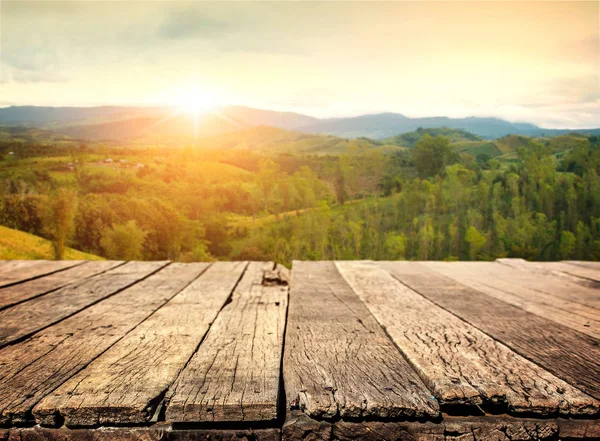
point(197, 103)
point(194, 100)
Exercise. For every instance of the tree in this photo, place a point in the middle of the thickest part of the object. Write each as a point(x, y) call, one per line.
point(567, 244)
point(340, 186)
point(395, 246)
point(123, 241)
point(432, 155)
point(476, 241)
point(60, 220)
point(267, 177)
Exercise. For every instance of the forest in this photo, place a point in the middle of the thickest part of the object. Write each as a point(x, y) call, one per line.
point(432, 194)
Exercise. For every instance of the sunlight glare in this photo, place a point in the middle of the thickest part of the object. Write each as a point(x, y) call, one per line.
point(195, 101)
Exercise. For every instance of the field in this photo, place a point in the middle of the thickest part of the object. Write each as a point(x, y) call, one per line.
point(18, 245)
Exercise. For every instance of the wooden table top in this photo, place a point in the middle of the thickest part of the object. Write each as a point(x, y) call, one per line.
point(506, 350)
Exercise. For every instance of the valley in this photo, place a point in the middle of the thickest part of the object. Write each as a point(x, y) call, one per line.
point(269, 193)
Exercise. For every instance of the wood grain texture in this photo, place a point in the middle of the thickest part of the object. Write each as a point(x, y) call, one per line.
point(6, 266)
point(458, 362)
point(568, 354)
point(587, 264)
point(14, 294)
point(551, 287)
point(33, 368)
point(582, 273)
point(22, 270)
point(338, 361)
point(125, 384)
point(27, 318)
point(298, 426)
point(574, 315)
point(235, 374)
point(154, 433)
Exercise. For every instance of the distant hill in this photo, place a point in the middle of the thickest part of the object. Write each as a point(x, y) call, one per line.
point(163, 124)
point(53, 117)
point(165, 130)
point(273, 140)
point(146, 124)
point(15, 244)
point(409, 139)
point(30, 134)
point(385, 125)
point(256, 117)
point(464, 142)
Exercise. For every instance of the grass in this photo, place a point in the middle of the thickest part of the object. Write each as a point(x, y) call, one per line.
point(16, 244)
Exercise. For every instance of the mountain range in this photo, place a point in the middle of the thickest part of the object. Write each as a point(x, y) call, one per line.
point(157, 124)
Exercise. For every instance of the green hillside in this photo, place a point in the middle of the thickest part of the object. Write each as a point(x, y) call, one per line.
point(512, 143)
point(465, 142)
point(15, 244)
point(476, 148)
point(409, 139)
point(271, 140)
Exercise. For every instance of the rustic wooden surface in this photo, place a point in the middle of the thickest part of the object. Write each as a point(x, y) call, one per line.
point(22, 270)
point(11, 295)
point(338, 360)
point(124, 384)
point(568, 354)
point(235, 374)
point(26, 318)
point(35, 367)
point(460, 363)
point(505, 350)
point(574, 315)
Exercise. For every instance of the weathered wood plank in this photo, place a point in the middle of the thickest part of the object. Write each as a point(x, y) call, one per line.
point(587, 264)
point(568, 354)
point(14, 294)
point(575, 272)
point(22, 270)
point(299, 426)
point(574, 315)
point(158, 432)
point(338, 361)
point(458, 362)
point(235, 374)
point(125, 384)
point(7, 266)
point(27, 318)
point(550, 286)
point(35, 367)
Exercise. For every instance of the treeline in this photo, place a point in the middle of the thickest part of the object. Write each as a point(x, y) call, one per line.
point(428, 202)
point(538, 208)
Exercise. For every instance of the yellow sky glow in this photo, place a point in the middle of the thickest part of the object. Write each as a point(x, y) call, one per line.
point(523, 61)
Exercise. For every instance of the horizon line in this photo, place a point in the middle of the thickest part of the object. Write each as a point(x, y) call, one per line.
point(376, 113)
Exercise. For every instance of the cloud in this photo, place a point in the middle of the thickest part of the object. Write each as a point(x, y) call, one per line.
point(570, 102)
point(190, 23)
point(584, 51)
point(577, 91)
point(34, 63)
point(237, 28)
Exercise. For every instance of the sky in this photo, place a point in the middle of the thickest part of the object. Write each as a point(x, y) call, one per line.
point(537, 62)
